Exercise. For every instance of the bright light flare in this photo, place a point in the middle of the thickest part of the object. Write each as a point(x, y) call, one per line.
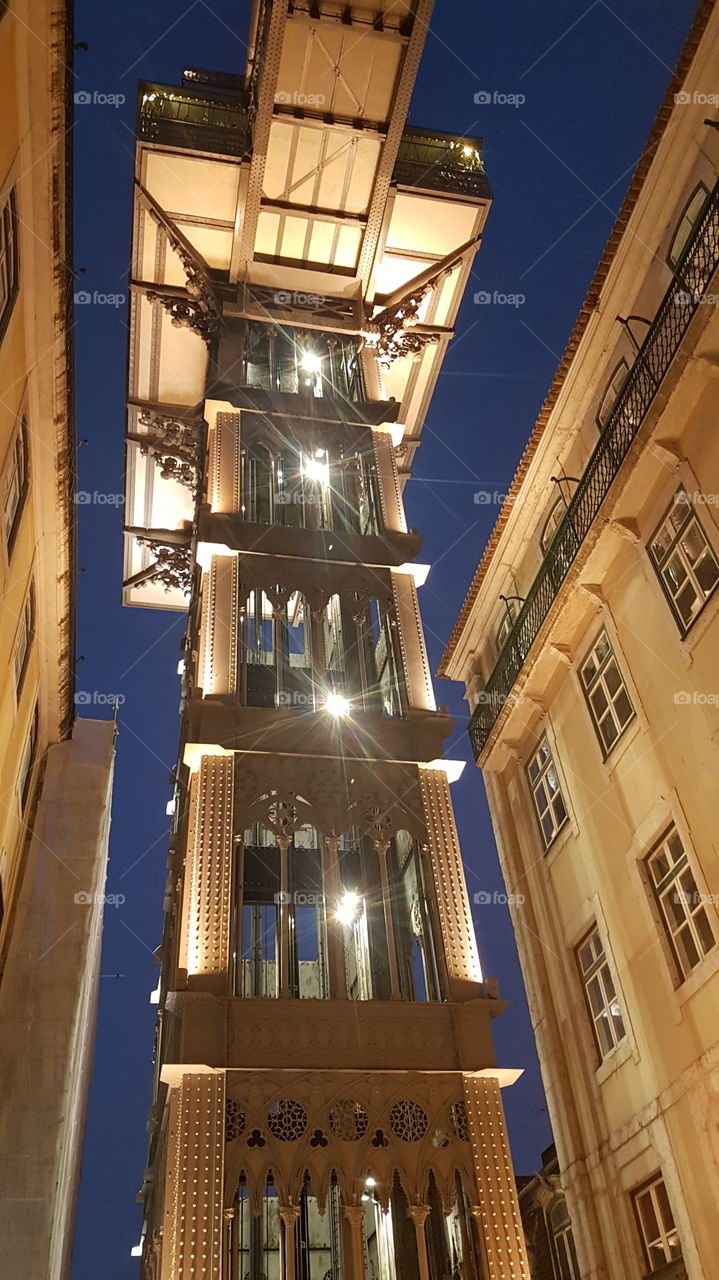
point(310, 362)
point(317, 468)
point(337, 705)
point(349, 907)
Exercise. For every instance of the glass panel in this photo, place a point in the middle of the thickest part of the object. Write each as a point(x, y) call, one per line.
point(707, 573)
point(648, 1217)
point(704, 929)
point(623, 708)
point(686, 602)
point(687, 948)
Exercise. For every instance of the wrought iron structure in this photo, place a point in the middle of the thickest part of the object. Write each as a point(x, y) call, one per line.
point(681, 300)
point(441, 162)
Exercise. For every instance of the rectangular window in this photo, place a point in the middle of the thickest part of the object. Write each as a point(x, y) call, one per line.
point(547, 793)
point(659, 1236)
point(24, 639)
point(599, 993)
point(28, 760)
point(15, 485)
point(609, 703)
point(680, 903)
point(685, 561)
point(8, 258)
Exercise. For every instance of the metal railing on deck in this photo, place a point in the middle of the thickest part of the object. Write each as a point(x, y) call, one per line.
point(441, 162)
point(192, 118)
point(684, 295)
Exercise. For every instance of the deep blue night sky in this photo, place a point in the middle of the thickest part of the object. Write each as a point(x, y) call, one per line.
point(559, 165)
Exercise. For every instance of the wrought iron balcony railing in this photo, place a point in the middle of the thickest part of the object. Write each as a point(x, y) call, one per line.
point(441, 162)
point(681, 301)
point(192, 118)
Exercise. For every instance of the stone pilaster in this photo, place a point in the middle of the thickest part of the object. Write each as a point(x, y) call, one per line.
point(193, 1217)
point(497, 1211)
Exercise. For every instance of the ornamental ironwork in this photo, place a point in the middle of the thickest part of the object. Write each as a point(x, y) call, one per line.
point(408, 1120)
point(235, 1120)
point(176, 446)
point(173, 565)
point(287, 1120)
point(194, 313)
point(392, 335)
point(348, 1120)
point(199, 310)
point(678, 307)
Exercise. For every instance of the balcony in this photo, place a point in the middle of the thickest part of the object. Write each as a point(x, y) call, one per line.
point(441, 162)
point(195, 119)
point(680, 303)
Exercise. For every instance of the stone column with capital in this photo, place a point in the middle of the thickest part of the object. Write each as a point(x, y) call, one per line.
point(354, 1214)
point(418, 1214)
point(289, 1214)
point(497, 1211)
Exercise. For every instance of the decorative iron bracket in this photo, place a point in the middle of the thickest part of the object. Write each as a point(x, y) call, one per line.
point(200, 311)
point(173, 566)
point(176, 445)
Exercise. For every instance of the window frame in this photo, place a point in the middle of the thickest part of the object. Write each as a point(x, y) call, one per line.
point(660, 566)
point(26, 631)
point(545, 544)
point(648, 1187)
point(594, 970)
point(509, 615)
point(660, 888)
point(623, 363)
point(599, 680)
point(565, 1264)
point(534, 785)
point(17, 461)
point(672, 260)
point(28, 759)
point(9, 253)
